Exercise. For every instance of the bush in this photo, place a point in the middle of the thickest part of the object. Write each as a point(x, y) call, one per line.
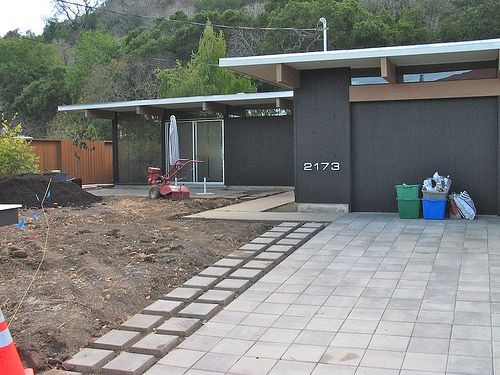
point(16, 154)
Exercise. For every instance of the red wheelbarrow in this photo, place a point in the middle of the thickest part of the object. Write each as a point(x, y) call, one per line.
point(162, 185)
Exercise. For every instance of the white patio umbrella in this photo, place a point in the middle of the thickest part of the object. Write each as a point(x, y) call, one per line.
point(173, 141)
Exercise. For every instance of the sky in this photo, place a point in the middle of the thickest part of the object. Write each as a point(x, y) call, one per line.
point(24, 15)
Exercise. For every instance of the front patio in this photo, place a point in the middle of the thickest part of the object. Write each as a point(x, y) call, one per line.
point(370, 294)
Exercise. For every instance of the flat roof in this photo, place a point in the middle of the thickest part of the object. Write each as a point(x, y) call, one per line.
point(193, 103)
point(264, 67)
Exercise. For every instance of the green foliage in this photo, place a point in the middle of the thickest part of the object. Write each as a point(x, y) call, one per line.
point(31, 81)
point(218, 5)
point(477, 19)
point(38, 101)
point(202, 75)
point(122, 79)
point(22, 61)
point(16, 154)
point(70, 125)
point(93, 47)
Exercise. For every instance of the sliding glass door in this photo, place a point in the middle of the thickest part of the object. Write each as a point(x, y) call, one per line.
point(202, 140)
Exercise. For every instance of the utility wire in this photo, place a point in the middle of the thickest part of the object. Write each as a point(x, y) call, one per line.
point(294, 29)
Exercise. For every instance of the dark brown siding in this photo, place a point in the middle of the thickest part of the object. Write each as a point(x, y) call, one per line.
point(395, 142)
point(258, 151)
point(322, 134)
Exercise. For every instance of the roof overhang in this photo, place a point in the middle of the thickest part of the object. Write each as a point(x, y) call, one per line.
point(270, 68)
point(211, 103)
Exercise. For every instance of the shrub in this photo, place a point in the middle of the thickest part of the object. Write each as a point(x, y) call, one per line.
point(16, 154)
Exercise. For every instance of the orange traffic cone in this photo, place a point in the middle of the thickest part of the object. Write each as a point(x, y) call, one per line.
point(10, 362)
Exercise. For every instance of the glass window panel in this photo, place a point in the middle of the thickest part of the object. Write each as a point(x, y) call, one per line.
point(139, 146)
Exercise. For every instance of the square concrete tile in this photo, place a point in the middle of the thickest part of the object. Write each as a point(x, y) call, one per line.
point(164, 308)
point(232, 346)
point(183, 294)
point(470, 365)
point(253, 366)
point(203, 311)
point(392, 343)
point(227, 262)
point(199, 343)
point(201, 282)
point(217, 362)
point(267, 350)
point(280, 335)
point(425, 362)
point(246, 274)
point(282, 248)
point(429, 345)
point(383, 359)
point(129, 364)
point(155, 344)
point(241, 255)
point(304, 353)
point(264, 265)
point(218, 272)
point(351, 340)
point(292, 368)
point(89, 360)
point(116, 340)
point(264, 240)
point(253, 247)
point(181, 358)
point(163, 370)
point(328, 369)
point(269, 256)
point(221, 297)
point(142, 323)
point(343, 356)
point(179, 326)
point(321, 338)
point(236, 285)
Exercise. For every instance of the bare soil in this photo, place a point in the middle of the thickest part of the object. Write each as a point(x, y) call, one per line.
point(103, 264)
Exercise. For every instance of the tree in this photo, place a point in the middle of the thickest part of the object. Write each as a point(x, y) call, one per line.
point(16, 154)
point(123, 79)
point(78, 13)
point(202, 75)
point(93, 47)
point(30, 81)
point(477, 19)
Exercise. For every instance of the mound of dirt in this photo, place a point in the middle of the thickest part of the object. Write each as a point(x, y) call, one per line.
point(29, 189)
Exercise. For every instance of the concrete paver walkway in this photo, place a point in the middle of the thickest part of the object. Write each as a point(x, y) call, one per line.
point(370, 294)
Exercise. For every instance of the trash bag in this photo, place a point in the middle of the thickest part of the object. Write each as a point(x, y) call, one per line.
point(454, 211)
point(436, 184)
point(465, 205)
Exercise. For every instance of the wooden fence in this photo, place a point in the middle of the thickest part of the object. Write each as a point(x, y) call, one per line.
point(95, 165)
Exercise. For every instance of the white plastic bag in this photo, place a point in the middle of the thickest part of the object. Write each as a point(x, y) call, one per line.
point(465, 205)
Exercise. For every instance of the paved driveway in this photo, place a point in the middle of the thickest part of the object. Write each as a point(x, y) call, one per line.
point(370, 294)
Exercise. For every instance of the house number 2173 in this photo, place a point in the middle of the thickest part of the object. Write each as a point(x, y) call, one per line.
point(322, 166)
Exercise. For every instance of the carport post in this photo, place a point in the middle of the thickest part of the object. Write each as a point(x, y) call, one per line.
point(164, 134)
point(114, 133)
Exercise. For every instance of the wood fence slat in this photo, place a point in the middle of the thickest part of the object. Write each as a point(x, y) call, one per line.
point(95, 165)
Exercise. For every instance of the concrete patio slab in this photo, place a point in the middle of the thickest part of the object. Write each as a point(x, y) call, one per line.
point(116, 340)
point(370, 294)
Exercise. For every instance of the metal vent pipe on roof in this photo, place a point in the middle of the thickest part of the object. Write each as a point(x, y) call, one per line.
point(325, 33)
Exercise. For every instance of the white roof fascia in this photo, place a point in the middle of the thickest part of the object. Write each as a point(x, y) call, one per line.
point(366, 53)
point(224, 99)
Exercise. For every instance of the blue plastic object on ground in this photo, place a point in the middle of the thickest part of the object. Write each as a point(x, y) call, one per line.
point(434, 209)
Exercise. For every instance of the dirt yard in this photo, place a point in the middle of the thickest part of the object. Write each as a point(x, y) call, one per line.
point(103, 264)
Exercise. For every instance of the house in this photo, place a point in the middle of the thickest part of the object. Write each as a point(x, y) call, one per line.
point(363, 121)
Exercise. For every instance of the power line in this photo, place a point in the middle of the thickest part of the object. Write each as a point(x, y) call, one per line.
point(86, 6)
